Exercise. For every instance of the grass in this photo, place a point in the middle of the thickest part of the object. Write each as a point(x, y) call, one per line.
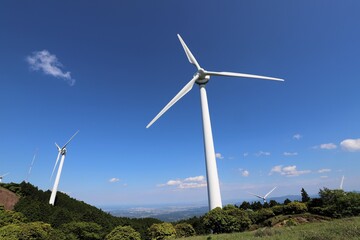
point(347, 228)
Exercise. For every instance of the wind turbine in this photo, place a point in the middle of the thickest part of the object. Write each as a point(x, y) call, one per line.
point(2, 176)
point(201, 77)
point(263, 197)
point(342, 183)
point(31, 165)
point(62, 151)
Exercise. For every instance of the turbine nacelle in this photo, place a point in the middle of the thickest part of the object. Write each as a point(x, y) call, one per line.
point(202, 76)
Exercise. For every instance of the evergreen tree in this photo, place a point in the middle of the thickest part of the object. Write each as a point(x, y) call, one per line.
point(304, 196)
point(287, 201)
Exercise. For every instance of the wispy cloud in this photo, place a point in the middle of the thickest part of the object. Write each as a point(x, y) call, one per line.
point(326, 146)
point(351, 145)
point(244, 172)
point(49, 65)
point(324, 170)
point(246, 154)
point(219, 156)
point(190, 182)
point(113, 180)
point(288, 171)
point(297, 136)
point(262, 153)
point(288, 154)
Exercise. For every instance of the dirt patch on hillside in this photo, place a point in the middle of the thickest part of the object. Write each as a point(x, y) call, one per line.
point(300, 219)
point(8, 199)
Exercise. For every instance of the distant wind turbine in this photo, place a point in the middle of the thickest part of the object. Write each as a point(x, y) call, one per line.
point(201, 77)
point(62, 151)
point(31, 165)
point(342, 183)
point(2, 176)
point(263, 197)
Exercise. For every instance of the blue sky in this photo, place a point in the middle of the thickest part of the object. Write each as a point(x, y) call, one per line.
point(107, 68)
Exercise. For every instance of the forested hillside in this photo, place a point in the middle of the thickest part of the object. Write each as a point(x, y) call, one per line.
point(34, 206)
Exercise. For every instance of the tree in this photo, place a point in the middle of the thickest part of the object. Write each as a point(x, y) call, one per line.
point(256, 206)
point(245, 205)
point(11, 217)
point(83, 230)
point(263, 214)
point(304, 196)
point(160, 231)
point(295, 208)
point(273, 203)
point(287, 201)
point(227, 220)
point(184, 230)
point(123, 233)
point(25, 231)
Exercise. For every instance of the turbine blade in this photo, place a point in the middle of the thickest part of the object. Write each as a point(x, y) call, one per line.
point(232, 74)
point(70, 139)
point(269, 192)
point(182, 92)
point(58, 147)
point(256, 195)
point(5, 174)
point(189, 55)
point(57, 160)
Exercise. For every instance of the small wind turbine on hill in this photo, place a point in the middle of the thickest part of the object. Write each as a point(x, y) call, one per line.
point(342, 183)
point(201, 77)
point(2, 176)
point(62, 151)
point(31, 165)
point(263, 197)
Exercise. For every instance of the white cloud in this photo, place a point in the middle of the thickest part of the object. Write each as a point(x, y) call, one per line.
point(190, 182)
point(276, 169)
point(351, 145)
point(328, 146)
point(323, 170)
point(246, 154)
point(219, 156)
point(261, 153)
point(288, 171)
point(297, 136)
point(195, 179)
point(112, 180)
point(49, 64)
point(290, 154)
point(173, 182)
point(244, 172)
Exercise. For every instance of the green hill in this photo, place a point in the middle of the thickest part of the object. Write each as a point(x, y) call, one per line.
point(33, 204)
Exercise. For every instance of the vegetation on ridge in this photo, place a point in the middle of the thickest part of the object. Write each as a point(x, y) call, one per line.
point(69, 219)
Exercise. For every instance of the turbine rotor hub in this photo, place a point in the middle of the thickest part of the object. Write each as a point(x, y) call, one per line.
point(63, 151)
point(203, 78)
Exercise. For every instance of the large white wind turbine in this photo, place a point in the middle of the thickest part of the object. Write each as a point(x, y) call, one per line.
point(2, 176)
point(62, 152)
point(201, 77)
point(263, 197)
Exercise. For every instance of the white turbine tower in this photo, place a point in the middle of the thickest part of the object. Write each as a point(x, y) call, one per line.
point(263, 197)
point(201, 77)
point(2, 176)
point(62, 152)
point(342, 183)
